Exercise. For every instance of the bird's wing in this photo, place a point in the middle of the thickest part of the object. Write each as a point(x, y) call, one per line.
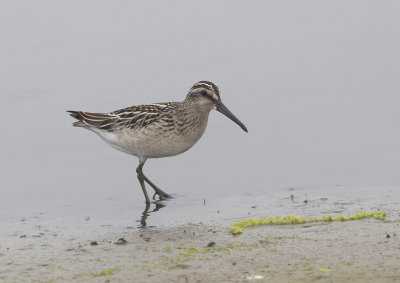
point(137, 117)
point(134, 117)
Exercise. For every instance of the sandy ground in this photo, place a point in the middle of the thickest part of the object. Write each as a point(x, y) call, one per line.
point(361, 250)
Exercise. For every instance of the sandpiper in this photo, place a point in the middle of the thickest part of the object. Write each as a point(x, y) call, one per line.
point(159, 129)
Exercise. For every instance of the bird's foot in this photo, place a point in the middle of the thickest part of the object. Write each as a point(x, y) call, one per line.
point(161, 195)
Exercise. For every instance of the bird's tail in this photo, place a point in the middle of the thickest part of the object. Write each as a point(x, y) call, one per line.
point(88, 120)
point(77, 115)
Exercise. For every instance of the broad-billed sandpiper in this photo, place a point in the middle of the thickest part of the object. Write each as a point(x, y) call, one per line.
point(159, 129)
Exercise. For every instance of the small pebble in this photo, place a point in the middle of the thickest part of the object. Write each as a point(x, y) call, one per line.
point(387, 236)
point(93, 243)
point(121, 241)
point(210, 244)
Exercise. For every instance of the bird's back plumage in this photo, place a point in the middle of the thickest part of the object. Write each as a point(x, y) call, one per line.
point(134, 117)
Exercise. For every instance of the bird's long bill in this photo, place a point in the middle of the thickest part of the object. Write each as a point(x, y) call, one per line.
point(224, 110)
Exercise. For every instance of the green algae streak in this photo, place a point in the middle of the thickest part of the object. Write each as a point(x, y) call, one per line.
point(238, 227)
point(105, 272)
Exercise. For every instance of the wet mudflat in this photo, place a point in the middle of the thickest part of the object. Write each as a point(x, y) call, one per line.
point(199, 247)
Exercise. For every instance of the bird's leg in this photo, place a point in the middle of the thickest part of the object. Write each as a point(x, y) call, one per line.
point(157, 191)
point(141, 180)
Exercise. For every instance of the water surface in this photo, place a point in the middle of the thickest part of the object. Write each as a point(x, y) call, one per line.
point(315, 83)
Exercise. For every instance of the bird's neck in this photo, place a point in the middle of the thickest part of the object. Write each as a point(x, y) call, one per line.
point(193, 116)
point(196, 110)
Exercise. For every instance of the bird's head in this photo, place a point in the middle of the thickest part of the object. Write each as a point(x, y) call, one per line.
point(206, 96)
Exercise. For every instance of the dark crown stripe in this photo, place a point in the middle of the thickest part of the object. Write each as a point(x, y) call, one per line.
point(206, 84)
point(197, 86)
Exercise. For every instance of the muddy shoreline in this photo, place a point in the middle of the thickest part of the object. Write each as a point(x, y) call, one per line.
point(365, 250)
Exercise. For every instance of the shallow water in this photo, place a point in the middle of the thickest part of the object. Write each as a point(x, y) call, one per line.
point(317, 91)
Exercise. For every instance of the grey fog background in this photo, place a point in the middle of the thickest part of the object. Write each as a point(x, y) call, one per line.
point(315, 82)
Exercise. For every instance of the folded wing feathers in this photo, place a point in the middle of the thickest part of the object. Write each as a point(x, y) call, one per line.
point(134, 117)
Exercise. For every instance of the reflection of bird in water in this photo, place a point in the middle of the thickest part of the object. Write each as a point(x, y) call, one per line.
point(146, 213)
point(157, 130)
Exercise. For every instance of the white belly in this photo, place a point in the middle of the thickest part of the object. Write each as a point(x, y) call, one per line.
point(146, 143)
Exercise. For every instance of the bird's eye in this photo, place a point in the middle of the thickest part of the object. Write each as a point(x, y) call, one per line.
point(203, 92)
